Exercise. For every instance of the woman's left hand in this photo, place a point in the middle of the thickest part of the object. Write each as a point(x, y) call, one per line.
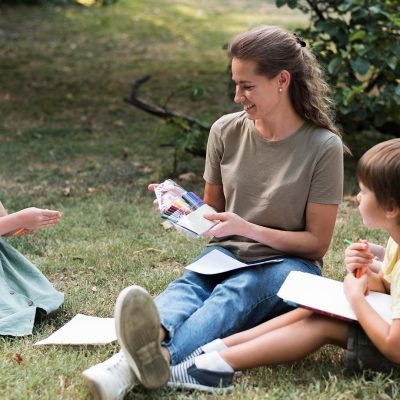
point(229, 224)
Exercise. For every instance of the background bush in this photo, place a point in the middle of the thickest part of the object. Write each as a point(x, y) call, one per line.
point(358, 43)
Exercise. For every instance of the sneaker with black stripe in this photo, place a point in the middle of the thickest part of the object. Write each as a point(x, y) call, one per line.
point(186, 375)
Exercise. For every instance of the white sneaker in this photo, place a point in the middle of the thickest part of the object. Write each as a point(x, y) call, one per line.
point(111, 379)
point(137, 325)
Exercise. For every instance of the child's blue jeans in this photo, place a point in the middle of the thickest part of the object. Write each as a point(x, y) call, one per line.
point(196, 309)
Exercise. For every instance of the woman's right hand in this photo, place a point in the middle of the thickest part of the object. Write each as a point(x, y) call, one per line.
point(36, 218)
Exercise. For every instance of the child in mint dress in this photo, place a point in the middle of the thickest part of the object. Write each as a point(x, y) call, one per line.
point(25, 293)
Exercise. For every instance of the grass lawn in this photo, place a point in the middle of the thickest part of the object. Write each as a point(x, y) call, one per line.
point(69, 142)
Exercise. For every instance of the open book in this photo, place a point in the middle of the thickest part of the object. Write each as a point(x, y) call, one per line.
point(326, 296)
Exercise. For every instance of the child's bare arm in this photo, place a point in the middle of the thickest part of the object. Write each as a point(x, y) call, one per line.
point(29, 218)
point(385, 337)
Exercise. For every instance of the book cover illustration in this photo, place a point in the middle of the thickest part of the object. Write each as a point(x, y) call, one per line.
point(185, 210)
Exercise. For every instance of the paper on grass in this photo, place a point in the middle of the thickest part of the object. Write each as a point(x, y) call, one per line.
point(327, 296)
point(216, 262)
point(83, 329)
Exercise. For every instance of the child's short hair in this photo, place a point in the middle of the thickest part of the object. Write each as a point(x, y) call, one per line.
point(379, 170)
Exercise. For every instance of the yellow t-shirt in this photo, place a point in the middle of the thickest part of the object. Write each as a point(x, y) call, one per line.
point(391, 272)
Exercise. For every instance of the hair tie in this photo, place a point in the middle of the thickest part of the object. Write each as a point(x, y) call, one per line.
point(300, 40)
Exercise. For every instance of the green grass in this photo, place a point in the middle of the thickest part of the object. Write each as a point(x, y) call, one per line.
point(64, 128)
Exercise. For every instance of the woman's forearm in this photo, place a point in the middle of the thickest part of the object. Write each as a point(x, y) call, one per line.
point(303, 244)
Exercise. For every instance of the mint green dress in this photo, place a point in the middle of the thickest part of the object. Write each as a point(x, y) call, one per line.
point(24, 291)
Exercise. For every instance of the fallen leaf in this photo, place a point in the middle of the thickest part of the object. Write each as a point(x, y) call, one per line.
point(17, 358)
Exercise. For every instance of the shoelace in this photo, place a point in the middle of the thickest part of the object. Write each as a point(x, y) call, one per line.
point(120, 370)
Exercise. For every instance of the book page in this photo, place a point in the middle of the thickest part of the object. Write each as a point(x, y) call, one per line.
point(327, 296)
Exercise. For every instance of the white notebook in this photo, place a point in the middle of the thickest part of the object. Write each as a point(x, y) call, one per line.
point(326, 296)
point(217, 262)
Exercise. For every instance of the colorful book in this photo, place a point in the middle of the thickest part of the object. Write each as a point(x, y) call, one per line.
point(184, 210)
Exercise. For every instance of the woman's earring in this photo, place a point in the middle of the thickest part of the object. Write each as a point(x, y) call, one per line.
point(280, 90)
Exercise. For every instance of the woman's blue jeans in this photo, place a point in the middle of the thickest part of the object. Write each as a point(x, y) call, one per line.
point(196, 309)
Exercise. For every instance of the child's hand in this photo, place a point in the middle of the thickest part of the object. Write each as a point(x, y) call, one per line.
point(355, 287)
point(358, 255)
point(36, 218)
point(230, 224)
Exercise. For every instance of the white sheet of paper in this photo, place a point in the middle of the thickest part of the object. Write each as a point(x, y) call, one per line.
point(327, 296)
point(216, 262)
point(81, 330)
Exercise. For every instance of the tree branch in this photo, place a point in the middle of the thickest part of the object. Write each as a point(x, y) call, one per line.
point(314, 7)
point(157, 110)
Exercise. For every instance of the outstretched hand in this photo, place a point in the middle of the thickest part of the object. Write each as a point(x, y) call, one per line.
point(36, 218)
point(229, 224)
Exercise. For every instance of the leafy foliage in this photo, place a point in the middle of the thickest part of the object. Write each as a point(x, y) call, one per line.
point(358, 41)
point(188, 139)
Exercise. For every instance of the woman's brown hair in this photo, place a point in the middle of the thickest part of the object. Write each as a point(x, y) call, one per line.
point(273, 50)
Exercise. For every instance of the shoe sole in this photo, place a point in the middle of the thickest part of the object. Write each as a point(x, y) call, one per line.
point(137, 326)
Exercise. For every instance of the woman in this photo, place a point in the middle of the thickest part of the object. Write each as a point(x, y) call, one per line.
point(274, 175)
